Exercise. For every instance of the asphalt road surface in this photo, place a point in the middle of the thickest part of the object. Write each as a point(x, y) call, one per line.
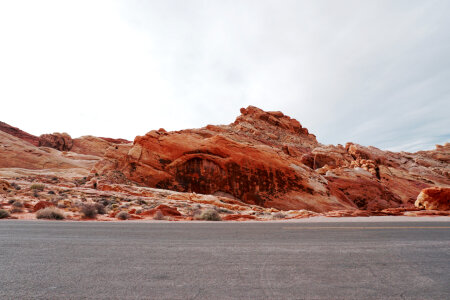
point(88, 260)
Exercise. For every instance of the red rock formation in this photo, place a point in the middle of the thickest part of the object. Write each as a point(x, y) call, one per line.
point(116, 141)
point(164, 209)
point(58, 141)
point(89, 145)
point(17, 153)
point(269, 159)
point(435, 198)
point(14, 131)
point(244, 159)
point(41, 205)
point(5, 187)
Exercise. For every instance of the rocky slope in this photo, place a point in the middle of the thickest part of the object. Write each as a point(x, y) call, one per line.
point(14, 131)
point(263, 166)
point(270, 160)
point(19, 154)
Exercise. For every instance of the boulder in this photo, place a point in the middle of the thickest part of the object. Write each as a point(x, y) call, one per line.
point(5, 187)
point(42, 204)
point(58, 141)
point(434, 198)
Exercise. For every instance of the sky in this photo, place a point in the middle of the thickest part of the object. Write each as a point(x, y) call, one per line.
point(370, 72)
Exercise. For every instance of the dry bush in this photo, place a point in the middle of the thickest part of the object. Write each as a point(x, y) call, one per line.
point(159, 215)
point(4, 214)
point(278, 215)
point(15, 210)
point(51, 213)
point(123, 215)
point(209, 215)
point(16, 186)
point(100, 208)
point(37, 187)
point(89, 211)
point(17, 204)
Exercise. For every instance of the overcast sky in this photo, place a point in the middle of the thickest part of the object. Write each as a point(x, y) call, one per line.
point(372, 72)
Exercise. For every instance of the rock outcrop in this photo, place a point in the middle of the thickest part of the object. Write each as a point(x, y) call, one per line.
point(435, 198)
point(255, 159)
point(116, 141)
point(263, 159)
point(15, 153)
point(89, 145)
point(58, 141)
point(269, 159)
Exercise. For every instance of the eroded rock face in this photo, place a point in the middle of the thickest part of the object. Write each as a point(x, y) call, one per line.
point(255, 159)
point(269, 159)
point(263, 158)
point(436, 198)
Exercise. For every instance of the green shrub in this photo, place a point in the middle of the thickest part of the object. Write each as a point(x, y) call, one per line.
point(37, 186)
point(209, 215)
point(4, 214)
point(51, 213)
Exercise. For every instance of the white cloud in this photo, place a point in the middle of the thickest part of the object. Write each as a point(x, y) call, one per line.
point(373, 72)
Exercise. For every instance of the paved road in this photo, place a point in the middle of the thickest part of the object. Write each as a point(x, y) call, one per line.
point(87, 260)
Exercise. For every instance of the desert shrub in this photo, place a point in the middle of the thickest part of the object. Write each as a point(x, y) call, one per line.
point(159, 215)
point(278, 215)
point(100, 208)
point(140, 202)
point(125, 205)
point(11, 201)
point(35, 194)
point(89, 211)
point(104, 201)
point(37, 187)
point(16, 186)
point(51, 213)
point(17, 204)
point(224, 210)
point(4, 214)
point(123, 215)
point(15, 210)
point(61, 205)
point(194, 212)
point(209, 215)
point(80, 181)
point(51, 192)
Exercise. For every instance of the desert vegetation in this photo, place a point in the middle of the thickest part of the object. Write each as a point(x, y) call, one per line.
point(4, 214)
point(50, 213)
